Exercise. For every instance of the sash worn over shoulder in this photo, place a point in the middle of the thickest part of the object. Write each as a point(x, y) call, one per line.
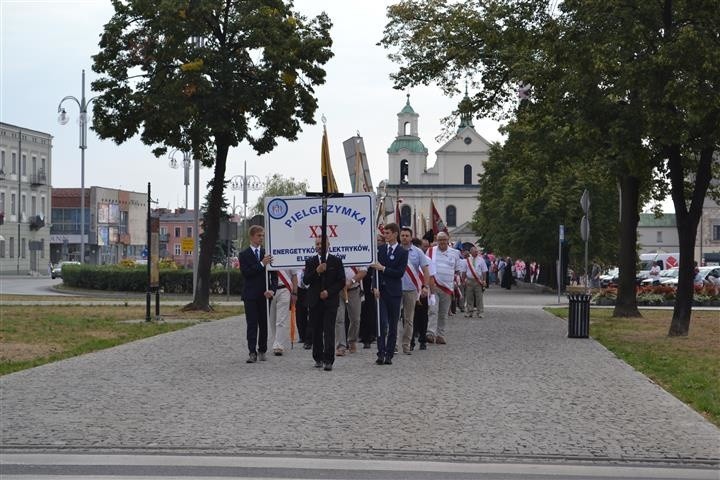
point(445, 288)
point(471, 268)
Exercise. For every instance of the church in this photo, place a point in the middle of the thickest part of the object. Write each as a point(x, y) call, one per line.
point(451, 184)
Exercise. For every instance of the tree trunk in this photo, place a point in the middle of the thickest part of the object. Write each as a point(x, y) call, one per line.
point(626, 303)
point(211, 229)
point(687, 224)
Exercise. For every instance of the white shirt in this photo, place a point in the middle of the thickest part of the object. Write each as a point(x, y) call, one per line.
point(480, 266)
point(446, 264)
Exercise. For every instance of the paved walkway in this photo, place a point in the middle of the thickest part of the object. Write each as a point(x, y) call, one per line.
point(507, 387)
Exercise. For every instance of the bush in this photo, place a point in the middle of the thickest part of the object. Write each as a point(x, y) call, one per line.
point(134, 279)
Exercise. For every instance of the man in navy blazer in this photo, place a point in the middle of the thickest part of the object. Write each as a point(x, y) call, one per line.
point(255, 294)
point(391, 263)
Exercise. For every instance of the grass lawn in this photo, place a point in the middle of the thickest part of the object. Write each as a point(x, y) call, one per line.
point(35, 335)
point(687, 367)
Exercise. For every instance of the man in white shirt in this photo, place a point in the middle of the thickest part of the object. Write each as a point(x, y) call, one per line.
point(284, 285)
point(445, 263)
point(475, 271)
point(350, 302)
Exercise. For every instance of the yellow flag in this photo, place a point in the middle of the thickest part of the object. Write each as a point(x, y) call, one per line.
point(326, 168)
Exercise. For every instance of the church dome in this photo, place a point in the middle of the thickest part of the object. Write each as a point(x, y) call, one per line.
point(407, 143)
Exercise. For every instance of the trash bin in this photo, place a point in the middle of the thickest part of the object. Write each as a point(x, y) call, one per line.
point(579, 316)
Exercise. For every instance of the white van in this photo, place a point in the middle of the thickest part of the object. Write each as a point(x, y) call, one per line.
point(662, 260)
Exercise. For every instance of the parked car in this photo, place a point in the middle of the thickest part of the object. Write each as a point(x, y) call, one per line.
point(56, 271)
point(708, 274)
point(610, 277)
point(661, 278)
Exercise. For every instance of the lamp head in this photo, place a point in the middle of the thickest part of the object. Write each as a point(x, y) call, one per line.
point(63, 117)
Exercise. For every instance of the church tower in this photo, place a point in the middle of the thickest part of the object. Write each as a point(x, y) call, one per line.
point(407, 155)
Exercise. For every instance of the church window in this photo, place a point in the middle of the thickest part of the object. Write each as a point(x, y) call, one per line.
point(404, 172)
point(405, 216)
point(406, 129)
point(467, 174)
point(451, 216)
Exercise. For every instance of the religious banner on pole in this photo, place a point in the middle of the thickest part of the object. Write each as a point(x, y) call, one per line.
point(293, 223)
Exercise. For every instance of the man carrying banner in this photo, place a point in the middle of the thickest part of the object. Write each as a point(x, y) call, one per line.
point(445, 263)
point(255, 294)
point(415, 285)
point(476, 271)
point(325, 280)
point(390, 267)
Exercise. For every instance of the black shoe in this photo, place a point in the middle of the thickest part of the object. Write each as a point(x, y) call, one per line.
point(423, 346)
point(318, 364)
point(327, 367)
point(388, 361)
point(307, 346)
point(380, 361)
point(252, 358)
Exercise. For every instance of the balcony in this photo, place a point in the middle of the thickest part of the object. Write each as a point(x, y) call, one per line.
point(37, 222)
point(164, 237)
point(37, 179)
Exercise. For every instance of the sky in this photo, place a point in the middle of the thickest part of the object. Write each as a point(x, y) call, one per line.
point(45, 45)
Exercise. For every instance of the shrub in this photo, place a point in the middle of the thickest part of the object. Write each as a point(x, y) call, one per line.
point(134, 279)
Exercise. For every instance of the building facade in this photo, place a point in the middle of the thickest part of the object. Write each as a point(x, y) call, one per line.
point(115, 225)
point(25, 199)
point(176, 227)
point(451, 183)
point(661, 235)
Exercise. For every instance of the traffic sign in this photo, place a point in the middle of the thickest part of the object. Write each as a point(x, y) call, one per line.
point(585, 201)
point(585, 228)
point(187, 244)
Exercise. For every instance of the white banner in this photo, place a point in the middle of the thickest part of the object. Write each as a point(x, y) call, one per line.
point(293, 223)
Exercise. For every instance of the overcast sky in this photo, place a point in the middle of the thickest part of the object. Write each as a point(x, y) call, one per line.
point(44, 46)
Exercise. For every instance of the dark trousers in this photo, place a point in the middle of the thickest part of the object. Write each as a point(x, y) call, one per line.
point(389, 317)
point(322, 317)
point(301, 317)
point(420, 321)
point(368, 318)
point(256, 318)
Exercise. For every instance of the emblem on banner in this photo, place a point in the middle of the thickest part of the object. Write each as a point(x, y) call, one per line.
point(277, 208)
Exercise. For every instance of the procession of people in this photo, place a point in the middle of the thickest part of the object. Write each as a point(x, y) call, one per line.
point(401, 301)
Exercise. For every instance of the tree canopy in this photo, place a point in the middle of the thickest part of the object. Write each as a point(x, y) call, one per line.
point(204, 76)
point(279, 186)
point(639, 80)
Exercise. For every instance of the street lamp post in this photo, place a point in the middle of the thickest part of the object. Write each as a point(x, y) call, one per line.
point(187, 159)
point(64, 118)
point(245, 182)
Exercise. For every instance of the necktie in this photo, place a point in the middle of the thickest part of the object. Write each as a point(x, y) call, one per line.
point(390, 250)
point(257, 253)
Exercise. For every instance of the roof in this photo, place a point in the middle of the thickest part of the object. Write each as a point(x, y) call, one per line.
point(407, 108)
point(412, 144)
point(649, 220)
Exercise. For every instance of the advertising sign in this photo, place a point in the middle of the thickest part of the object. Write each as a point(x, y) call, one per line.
point(293, 223)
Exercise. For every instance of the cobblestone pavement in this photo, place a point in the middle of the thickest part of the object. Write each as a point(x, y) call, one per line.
point(510, 385)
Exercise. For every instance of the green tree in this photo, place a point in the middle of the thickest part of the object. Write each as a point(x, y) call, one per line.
point(279, 186)
point(204, 76)
point(531, 184)
point(617, 66)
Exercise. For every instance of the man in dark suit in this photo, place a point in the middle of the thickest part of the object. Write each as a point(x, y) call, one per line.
point(325, 280)
point(390, 265)
point(255, 293)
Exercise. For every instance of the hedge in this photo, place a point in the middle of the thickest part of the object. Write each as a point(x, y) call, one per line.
point(134, 279)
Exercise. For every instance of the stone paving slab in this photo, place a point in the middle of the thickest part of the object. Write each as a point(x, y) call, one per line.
point(508, 385)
